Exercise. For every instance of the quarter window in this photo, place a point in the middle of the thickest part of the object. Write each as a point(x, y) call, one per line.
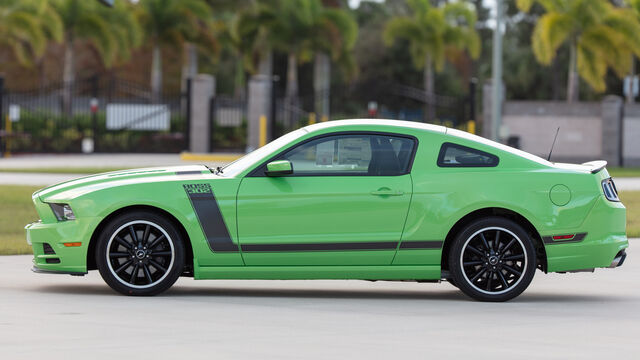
point(454, 155)
point(374, 155)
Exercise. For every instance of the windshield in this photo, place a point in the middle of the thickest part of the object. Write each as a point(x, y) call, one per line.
point(253, 157)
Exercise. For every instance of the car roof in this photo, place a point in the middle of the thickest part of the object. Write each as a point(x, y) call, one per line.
point(427, 127)
point(376, 122)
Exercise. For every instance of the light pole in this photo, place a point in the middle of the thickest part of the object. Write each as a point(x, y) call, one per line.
point(496, 68)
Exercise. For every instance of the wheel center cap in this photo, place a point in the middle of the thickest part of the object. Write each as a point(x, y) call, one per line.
point(493, 260)
point(140, 254)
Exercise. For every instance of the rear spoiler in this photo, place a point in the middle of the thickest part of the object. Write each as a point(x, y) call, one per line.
point(595, 166)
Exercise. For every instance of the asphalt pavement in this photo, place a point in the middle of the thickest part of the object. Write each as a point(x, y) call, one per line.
point(561, 316)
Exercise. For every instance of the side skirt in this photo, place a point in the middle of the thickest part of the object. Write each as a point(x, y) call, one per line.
point(388, 272)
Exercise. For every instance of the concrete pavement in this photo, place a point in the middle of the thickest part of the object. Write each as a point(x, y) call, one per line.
point(571, 316)
point(89, 160)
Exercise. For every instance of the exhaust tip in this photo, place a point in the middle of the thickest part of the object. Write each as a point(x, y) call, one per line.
point(619, 259)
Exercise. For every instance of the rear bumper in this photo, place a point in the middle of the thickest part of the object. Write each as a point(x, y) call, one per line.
point(601, 247)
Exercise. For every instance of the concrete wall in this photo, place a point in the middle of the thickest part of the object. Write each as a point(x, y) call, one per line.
point(631, 131)
point(536, 122)
point(606, 130)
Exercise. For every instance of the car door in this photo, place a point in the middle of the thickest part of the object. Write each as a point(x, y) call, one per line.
point(344, 204)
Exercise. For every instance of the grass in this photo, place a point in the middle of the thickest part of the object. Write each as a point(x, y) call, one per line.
point(63, 170)
point(16, 211)
point(624, 172)
point(631, 199)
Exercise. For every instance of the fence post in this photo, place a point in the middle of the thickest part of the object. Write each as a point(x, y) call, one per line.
point(203, 87)
point(94, 110)
point(212, 122)
point(187, 125)
point(471, 124)
point(2, 141)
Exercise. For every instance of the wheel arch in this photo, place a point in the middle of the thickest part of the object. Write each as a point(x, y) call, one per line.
point(541, 254)
point(91, 260)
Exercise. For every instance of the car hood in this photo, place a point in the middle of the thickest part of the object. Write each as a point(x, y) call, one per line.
point(72, 188)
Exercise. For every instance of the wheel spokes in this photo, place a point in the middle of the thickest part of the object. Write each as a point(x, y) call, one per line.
point(138, 264)
point(156, 241)
point(125, 265)
point(493, 262)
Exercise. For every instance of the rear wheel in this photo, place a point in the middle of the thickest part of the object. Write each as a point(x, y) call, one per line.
point(140, 253)
point(492, 259)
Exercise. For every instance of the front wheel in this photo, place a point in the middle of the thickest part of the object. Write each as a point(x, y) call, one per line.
point(140, 253)
point(492, 259)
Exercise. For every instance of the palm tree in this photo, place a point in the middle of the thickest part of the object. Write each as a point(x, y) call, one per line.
point(26, 26)
point(334, 37)
point(431, 33)
point(600, 36)
point(635, 6)
point(239, 36)
point(175, 23)
point(113, 32)
point(299, 28)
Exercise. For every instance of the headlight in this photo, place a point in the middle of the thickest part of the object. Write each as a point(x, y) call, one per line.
point(63, 212)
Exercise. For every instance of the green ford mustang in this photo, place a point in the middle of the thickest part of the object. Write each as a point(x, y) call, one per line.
point(352, 199)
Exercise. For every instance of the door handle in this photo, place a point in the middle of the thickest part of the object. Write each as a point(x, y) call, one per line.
point(387, 192)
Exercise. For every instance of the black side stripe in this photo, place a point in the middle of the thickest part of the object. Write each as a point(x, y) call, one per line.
point(577, 238)
point(382, 245)
point(421, 245)
point(374, 245)
point(210, 218)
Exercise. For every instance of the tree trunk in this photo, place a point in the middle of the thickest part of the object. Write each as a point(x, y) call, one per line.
point(156, 74)
point(429, 89)
point(291, 92)
point(632, 75)
point(190, 64)
point(68, 76)
point(572, 82)
point(239, 85)
point(265, 66)
point(322, 85)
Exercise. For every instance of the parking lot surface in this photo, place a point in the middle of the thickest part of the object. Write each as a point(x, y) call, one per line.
point(571, 316)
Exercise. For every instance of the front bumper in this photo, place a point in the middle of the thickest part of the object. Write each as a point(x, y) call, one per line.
point(49, 252)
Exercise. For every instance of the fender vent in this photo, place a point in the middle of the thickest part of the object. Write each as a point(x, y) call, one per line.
point(48, 249)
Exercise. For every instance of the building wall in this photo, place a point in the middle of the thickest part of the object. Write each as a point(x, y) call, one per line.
point(631, 139)
point(535, 124)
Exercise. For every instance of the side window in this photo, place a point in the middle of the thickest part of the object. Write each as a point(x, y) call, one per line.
point(375, 155)
point(454, 155)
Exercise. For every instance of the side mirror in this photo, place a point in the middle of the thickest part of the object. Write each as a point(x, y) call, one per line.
point(279, 168)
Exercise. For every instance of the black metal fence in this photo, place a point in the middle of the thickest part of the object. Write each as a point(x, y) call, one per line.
point(104, 113)
point(101, 113)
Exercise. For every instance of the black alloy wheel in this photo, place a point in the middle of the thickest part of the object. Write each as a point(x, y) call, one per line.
point(140, 253)
point(492, 259)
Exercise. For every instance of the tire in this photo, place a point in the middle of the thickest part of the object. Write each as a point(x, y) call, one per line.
point(492, 259)
point(142, 262)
